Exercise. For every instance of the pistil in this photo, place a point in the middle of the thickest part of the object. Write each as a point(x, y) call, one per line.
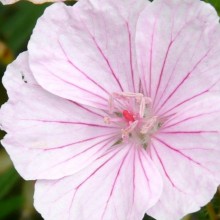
point(133, 114)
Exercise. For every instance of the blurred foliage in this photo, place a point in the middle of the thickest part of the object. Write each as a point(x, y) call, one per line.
point(16, 195)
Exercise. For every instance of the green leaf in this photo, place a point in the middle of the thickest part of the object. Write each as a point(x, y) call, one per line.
point(17, 22)
point(7, 180)
point(10, 205)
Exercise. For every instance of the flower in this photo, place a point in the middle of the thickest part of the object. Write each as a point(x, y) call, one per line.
point(114, 109)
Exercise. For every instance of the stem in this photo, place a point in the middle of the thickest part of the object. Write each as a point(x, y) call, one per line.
point(211, 212)
point(188, 217)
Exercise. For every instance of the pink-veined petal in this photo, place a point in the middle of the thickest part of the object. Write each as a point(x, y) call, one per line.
point(87, 53)
point(49, 137)
point(178, 52)
point(187, 153)
point(122, 184)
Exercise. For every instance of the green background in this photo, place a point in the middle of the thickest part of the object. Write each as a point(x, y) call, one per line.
point(16, 195)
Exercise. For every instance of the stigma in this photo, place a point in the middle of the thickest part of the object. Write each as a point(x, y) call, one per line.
point(128, 116)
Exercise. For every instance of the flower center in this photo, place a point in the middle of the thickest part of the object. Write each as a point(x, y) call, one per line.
point(132, 113)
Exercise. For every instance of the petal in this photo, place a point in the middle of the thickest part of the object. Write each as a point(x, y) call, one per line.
point(85, 54)
point(187, 153)
point(122, 184)
point(49, 137)
point(179, 54)
point(8, 2)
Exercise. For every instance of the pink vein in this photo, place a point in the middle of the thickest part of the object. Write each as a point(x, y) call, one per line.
point(170, 77)
point(164, 169)
point(114, 183)
point(143, 169)
point(87, 109)
point(163, 67)
point(179, 56)
point(130, 55)
point(108, 140)
point(191, 98)
point(151, 56)
point(182, 154)
point(91, 175)
point(83, 73)
point(192, 117)
point(87, 91)
point(185, 101)
point(151, 50)
point(134, 175)
point(189, 132)
point(77, 142)
point(103, 55)
point(68, 122)
point(183, 81)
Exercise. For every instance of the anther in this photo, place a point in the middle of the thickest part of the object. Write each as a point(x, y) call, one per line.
point(125, 132)
point(107, 120)
point(149, 124)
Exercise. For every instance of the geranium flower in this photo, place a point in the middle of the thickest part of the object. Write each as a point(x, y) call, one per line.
point(114, 109)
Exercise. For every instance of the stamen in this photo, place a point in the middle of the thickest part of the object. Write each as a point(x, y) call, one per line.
point(125, 132)
point(132, 113)
point(142, 107)
point(148, 125)
point(108, 120)
point(148, 101)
